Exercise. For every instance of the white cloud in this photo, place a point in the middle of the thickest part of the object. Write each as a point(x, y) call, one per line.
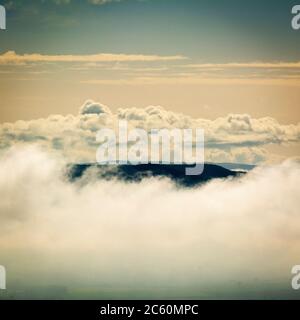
point(232, 138)
point(91, 107)
point(240, 233)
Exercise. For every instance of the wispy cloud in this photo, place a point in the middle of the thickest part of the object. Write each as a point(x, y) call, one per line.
point(11, 57)
point(199, 80)
point(95, 2)
point(101, 2)
point(252, 65)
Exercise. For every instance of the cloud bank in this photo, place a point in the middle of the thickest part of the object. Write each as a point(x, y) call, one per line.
point(115, 236)
point(234, 138)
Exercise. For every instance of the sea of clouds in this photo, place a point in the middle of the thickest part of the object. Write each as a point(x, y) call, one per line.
point(116, 237)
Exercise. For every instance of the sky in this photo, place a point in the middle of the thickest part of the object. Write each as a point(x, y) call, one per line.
point(69, 68)
point(256, 30)
point(206, 59)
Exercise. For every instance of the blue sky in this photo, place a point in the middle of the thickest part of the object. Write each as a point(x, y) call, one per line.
point(207, 30)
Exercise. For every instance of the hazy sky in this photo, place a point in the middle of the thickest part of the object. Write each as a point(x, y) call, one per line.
point(69, 68)
point(200, 39)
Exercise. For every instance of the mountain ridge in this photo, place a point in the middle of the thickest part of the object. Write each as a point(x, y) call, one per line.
point(137, 173)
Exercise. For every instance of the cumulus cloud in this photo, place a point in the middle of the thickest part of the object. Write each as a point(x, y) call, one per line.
point(240, 234)
point(91, 107)
point(234, 138)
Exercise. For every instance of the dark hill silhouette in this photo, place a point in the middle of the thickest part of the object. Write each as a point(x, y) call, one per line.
point(136, 173)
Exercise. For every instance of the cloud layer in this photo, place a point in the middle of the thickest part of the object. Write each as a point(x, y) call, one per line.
point(147, 69)
point(110, 235)
point(234, 138)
